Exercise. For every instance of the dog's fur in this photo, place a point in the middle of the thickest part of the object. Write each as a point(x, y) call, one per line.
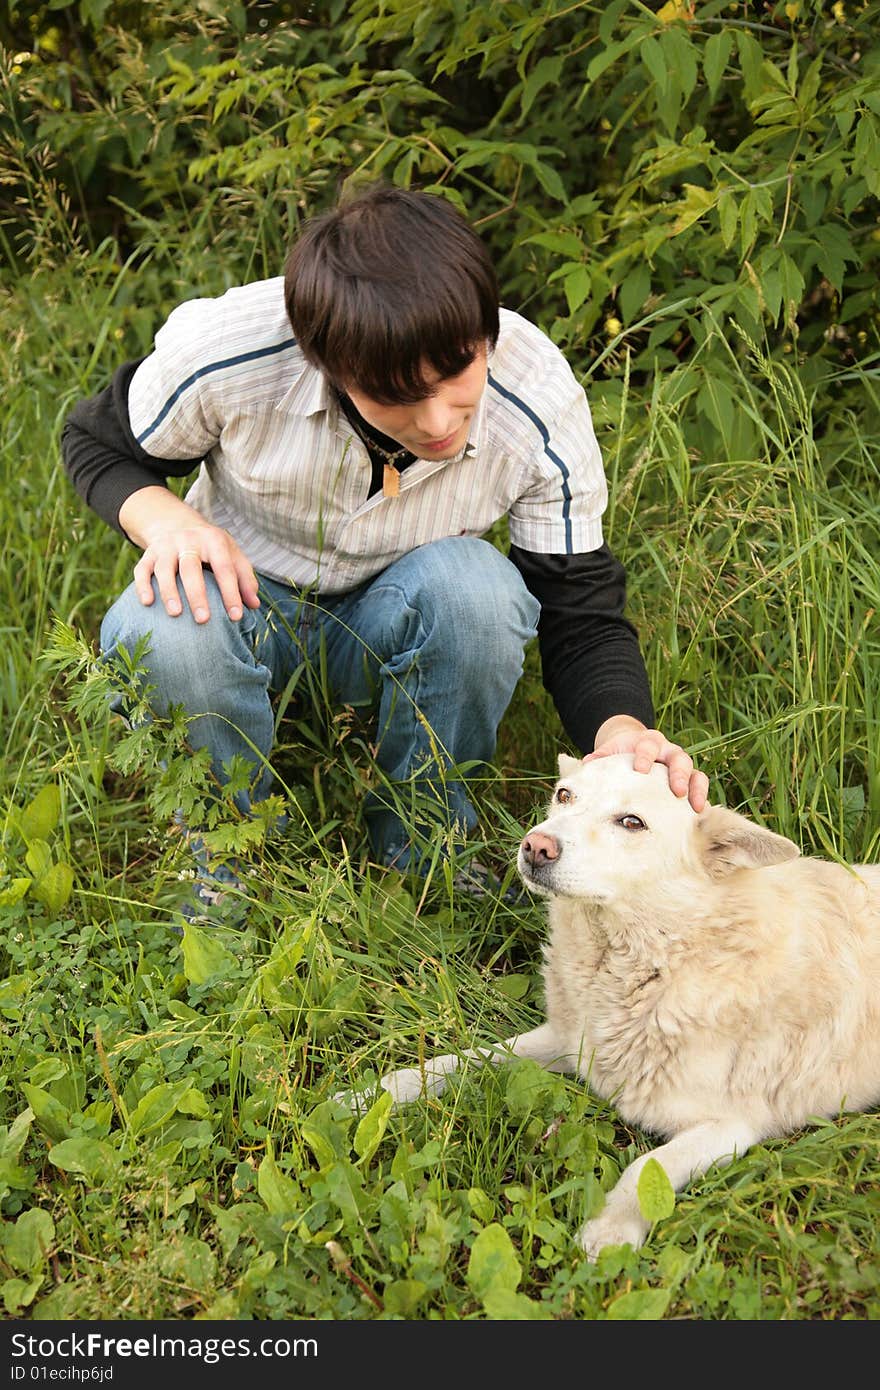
point(712, 984)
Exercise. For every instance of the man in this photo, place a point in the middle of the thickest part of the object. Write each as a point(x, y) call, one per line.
point(359, 425)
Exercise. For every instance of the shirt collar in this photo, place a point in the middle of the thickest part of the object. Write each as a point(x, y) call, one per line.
point(308, 393)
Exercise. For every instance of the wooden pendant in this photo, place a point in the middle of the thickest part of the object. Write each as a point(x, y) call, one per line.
point(390, 481)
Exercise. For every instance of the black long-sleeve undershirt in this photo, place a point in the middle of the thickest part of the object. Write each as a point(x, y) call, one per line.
point(590, 657)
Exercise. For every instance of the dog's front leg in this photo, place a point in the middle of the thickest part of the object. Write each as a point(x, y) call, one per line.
point(689, 1154)
point(541, 1045)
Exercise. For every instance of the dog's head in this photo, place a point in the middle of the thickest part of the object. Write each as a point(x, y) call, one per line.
point(613, 834)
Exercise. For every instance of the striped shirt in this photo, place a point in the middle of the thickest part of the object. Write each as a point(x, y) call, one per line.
point(285, 474)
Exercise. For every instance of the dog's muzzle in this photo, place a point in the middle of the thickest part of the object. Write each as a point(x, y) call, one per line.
point(538, 856)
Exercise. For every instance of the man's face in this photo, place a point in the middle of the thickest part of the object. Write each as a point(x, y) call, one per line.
point(437, 426)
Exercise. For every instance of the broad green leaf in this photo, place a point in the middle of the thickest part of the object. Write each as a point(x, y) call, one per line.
point(27, 1243)
point(695, 204)
point(506, 1305)
point(203, 955)
point(14, 1138)
point(345, 1188)
point(14, 991)
point(481, 1204)
point(513, 986)
point(655, 1192)
point(680, 58)
point(277, 1191)
point(14, 891)
point(402, 1296)
point(319, 1144)
point(50, 1114)
point(41, 816)
point(38, 857)
point(89, 1158)
point(577, 287)
point(19, 1293)
point(566, 243)
point(54, 887)
point(494, 1265)
point(368, 1135)
point(545, 71)
point(162, 1102)
point(527, 1083)
point(715, 56)
point(641, 1305)
point(188, 1260)
point(654, 60)
point(728, 217)
point(634, 290)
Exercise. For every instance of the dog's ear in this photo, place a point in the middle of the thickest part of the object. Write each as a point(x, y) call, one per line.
point(729, 841)
point(567, 765)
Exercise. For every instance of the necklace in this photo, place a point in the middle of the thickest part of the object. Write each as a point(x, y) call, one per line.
point(389, 457)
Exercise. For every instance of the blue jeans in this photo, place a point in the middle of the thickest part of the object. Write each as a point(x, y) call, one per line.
point(434, 644)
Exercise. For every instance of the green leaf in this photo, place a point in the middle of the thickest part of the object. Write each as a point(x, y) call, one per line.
point(41, 816)
point(368, 1135)
point(577, 287)
point(14, 992)
point(279, 1193)
point(513, 986)
point(14, 891)
point(526, 1085)
point(656, 1193)
point(27, 1243)
point(728, 218)
point(654, 60)
point(54, 887)
point(402, 1296)
point(641, 1305)
point(19, 1293)
point(165, 1100)
point(544, 72)
point(50, 1114)
point(38, 857)
point(505, 1305)
point(89, 1158)
point(634, 290)
point(696, 203)
point(203, 956)
point(481, 1204)
point(493, 1266)
point(715, 56)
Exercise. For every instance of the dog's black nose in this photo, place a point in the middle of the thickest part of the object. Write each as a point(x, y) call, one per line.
point(539, 849)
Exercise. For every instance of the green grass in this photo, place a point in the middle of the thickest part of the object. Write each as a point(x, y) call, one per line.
point(170, 1149)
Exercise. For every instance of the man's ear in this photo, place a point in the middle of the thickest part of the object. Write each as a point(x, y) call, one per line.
point(728, 841)
point(568, 765)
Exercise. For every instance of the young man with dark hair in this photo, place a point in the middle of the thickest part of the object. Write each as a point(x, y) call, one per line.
point(359, 425)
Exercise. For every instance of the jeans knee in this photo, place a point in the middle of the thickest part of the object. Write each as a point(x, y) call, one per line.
point(478, 597)
point(184, 661)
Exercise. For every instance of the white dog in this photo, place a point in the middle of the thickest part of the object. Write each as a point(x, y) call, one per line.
point(717, 988)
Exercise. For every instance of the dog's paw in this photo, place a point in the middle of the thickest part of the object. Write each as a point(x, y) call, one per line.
point(612, 1228)
point(410, 1083)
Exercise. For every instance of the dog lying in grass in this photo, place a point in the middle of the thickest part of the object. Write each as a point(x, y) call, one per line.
point(715, 986)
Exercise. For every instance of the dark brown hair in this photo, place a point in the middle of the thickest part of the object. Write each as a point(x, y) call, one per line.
point(386, 284)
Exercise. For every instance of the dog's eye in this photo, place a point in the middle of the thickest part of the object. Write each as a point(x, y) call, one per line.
point(564, 796)
point(631, 822)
